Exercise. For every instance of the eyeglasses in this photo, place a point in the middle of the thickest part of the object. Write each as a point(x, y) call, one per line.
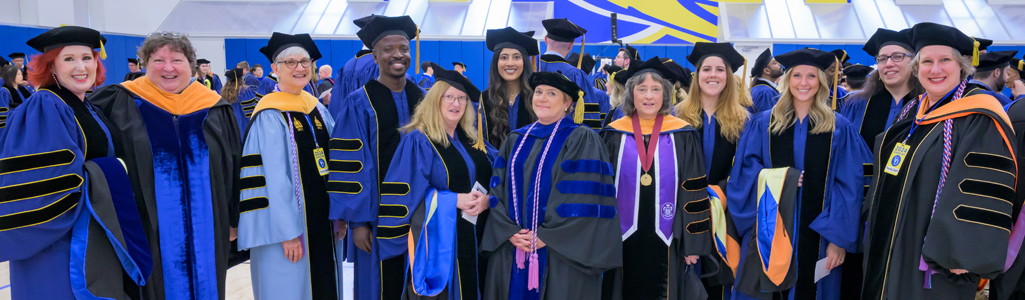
point(291, 63)
point(451, 99)
point(896, 57)
point(168, 34)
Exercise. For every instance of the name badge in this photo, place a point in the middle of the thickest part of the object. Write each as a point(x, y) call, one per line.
point(318, 153)
point(896, 158)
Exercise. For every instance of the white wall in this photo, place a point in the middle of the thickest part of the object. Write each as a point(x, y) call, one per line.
point(211, 49)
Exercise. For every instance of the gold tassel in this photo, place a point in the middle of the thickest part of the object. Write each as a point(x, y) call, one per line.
point(103, 50)
point(417, 67)
point(744, 77)
point(578, 113)
point(479, 145)
point(672, 98)
point(583, 39)
point(836, 79)
point(1021, 65)
point(975, 52)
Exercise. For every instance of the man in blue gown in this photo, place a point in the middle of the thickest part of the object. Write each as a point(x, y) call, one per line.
point(765, 72)
point(365, 138)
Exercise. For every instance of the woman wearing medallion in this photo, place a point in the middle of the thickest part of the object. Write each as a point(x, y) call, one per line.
point(795, 190)
point(554, 190)
point(717, 112)
point(660, 193)
point(441, 158)
point(944, 181)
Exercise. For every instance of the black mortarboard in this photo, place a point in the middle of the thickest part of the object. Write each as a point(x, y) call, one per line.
point(3, 62)
point(857, 71)
point(456, 63)
point(498, 39)
point(561, 82)
point(202, 61)
point(529, 33)
point(623, 76)
point(655, 65)
point(761, 63)
point(632, 52)
point(133, 60)
point(235, 74)
point(362, 22)
point(929, 34)
point(279, 42)
point(457, 81)
point(66, 36)
point(682, 74)
point(562, 30)
point(841, 55)
point(812, 57)
point(18, 54)
point(382, 26)
point(587, 65)
point(1019, 65)
point(984, 43)
point(885, 37)
point(611, 69)
point(995, 60)
point(723, 50)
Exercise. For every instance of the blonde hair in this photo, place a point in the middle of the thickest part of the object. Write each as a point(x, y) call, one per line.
point(729, 110)
point(744, 92)
point(615, 93)
point(783, 114)
point(427, 118)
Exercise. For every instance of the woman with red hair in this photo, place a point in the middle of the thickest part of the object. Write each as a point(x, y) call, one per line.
point(66, 205)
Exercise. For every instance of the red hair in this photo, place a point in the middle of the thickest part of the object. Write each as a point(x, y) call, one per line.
point(40, 68)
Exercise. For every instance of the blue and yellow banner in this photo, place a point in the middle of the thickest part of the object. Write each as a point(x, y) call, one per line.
point(644, 21)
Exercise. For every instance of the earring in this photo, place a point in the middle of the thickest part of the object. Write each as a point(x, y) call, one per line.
point(56, 81)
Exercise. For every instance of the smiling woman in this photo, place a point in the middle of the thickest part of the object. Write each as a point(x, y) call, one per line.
point(57, 161)
point(182, 145)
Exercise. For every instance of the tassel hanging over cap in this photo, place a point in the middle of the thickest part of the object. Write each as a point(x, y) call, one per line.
point(103, 50)
point(975, 51)
point(836, 83)
point(744, 76)
point(479, 145)
point(583, 39)
point(578, 113)
point(417, 67)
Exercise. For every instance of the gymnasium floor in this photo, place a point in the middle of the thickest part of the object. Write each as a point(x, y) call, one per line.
point(239, 285)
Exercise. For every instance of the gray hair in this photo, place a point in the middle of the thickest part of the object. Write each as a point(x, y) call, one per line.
point(291, 51)
point(178, 42)
point(965, 61)
point(628, 95)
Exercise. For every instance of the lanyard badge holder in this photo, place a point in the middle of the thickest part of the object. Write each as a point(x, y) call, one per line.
point(318, 153)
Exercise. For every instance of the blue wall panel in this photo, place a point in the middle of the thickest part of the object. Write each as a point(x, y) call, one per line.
point(473, 57)
point(234, 52)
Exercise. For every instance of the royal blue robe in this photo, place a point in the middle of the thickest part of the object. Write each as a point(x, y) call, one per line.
point(367, 131)
point(244, 106)
point(764, 96)
point(834, 179)
point(356, 72)
point(68, 221)
point(5, 109)
point(451, 269)
point(594, 106)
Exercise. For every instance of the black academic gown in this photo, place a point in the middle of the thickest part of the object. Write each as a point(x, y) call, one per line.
point(147, 129)
point(1010, 284)
point(659, 230)
point(579, 225)
point(720, 269)
point(973, 209)
point(523, 118)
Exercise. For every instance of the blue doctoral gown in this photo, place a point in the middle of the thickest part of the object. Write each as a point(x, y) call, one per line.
point(244, 106)
point(366, 132)
point(441, 237)
point(836, 180)
point(70, 224)
point(356, 72)
point(764, 96)
point(5, 109)
point(426, 81)
point(251, 81)
point(594, 106)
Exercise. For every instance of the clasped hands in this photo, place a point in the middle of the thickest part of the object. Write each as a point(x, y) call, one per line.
point(472, 203)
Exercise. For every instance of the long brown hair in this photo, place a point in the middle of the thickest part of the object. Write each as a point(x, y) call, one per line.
point(729, 111)
point(498, 100)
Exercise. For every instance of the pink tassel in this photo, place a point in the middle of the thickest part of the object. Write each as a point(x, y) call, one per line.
point(520, 258)
point(532, 278)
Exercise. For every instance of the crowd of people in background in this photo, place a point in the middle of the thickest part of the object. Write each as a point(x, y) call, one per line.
point(803, 177)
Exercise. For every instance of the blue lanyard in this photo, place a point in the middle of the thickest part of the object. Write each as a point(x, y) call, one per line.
point(914, 124)
point(312, 131)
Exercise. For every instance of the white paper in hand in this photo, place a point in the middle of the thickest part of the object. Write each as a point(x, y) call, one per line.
point(820, 270)
point(478, 188)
